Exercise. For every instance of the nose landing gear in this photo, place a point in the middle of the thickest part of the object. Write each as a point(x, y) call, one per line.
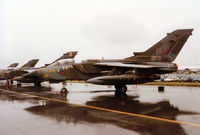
point(63, 90)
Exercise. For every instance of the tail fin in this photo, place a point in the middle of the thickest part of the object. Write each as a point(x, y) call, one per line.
point(167, 49)
point(13, 65)
point(31, 63)
point(68, 55)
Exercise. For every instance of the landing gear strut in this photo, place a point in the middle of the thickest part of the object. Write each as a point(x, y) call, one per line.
point(121, 88)
point(7, 83)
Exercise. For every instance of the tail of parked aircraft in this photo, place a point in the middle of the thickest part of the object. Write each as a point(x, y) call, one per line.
point(167, 49)
point(31, 63)
point(13, 65)
point(68, 55)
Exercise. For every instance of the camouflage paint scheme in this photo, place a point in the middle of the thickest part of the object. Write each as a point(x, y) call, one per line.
point(142, 67)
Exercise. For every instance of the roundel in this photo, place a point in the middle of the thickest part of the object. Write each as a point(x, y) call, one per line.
point(61, 72)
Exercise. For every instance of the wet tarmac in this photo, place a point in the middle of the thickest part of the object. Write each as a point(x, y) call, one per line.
point(50, 113)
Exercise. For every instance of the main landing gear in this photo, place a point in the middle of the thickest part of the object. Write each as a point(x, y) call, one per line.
point(121, 88)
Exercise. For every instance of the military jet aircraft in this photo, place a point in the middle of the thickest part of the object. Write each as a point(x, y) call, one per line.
point(13, 65)
point(68, 60)
point(142, 67)
point(10, 67)
point(11, 72)
point(195, 68)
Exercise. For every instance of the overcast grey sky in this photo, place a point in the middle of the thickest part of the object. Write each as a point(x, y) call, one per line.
point(46, 29)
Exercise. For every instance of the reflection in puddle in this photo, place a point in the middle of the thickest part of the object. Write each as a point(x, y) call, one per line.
point(80, 116)
point(75, 114)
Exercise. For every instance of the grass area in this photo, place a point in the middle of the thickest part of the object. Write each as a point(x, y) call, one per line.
point(195, 84)
point(76, 81)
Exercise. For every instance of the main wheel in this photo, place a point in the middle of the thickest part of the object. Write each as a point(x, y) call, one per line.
point(121, 88)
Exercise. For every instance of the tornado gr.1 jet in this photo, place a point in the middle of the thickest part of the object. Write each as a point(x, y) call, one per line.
point(68, 59)
point(142, 67)
point(11, 72)
point(10, 67)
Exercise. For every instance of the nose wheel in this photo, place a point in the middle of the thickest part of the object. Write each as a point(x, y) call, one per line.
point(121, 88)
point(64, 90)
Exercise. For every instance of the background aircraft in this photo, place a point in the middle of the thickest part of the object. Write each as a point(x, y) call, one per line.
point(10, 67)
point(68, 60)
point(143, 67)
point(195, 68)
point(12, 72)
